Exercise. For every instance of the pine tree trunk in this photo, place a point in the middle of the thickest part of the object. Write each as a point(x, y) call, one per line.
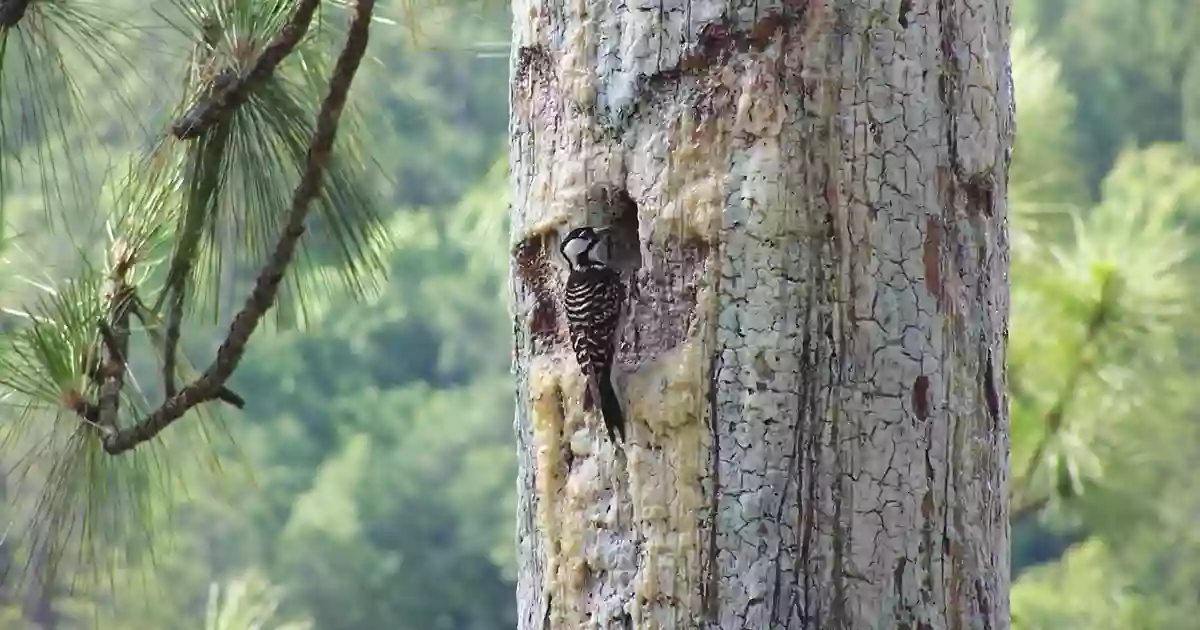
point(809, 206)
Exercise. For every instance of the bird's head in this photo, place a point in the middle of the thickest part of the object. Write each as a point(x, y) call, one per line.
point(581, 248)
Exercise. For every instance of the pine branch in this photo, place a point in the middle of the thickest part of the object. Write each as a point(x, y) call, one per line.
point(151, 326)
point(204, 182)
point(171, 348)
point(209, 385)
point(116, 342)
point(228, 93)
point(1055, 417)
point(114, 334)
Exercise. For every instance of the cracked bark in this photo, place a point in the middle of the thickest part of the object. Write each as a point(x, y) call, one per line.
point(809, 199)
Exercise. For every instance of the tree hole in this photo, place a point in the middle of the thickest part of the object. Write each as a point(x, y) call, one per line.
point(533, 270)
point(905, 8)
point(617, 209)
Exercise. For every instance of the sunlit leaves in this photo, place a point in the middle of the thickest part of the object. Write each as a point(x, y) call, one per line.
point(1094, 319)
point(1098, 292)
point(248, 602)
point(75, 502)
point(88, 502)
point(1086, 591)
point(1163, 178)
point(1044, 169)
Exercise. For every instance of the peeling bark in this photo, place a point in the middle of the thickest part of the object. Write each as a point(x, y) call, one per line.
point(809, 202)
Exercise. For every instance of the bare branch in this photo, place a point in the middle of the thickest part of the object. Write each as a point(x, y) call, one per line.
point(111, 342)
point(209, 385)
point(174, 327)
point(224, 394)
point(229, 92)
point(114, 332)
point(230, 397)
point(204, 181)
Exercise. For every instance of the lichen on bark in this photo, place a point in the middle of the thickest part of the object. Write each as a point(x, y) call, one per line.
point(810, 203)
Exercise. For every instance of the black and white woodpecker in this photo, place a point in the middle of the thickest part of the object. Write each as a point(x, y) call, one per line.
point(593, 299)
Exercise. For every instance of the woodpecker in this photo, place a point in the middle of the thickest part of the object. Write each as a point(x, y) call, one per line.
point(593, 300)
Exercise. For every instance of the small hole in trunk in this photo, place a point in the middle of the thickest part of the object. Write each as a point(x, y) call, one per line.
point(619, 211)
point(533, 269)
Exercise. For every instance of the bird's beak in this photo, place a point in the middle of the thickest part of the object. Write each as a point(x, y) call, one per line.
point(602, 231)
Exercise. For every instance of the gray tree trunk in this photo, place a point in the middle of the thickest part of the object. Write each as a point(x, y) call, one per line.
point(809, 203)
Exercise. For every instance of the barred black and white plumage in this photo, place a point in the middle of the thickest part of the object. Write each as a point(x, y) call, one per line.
point(593, 299)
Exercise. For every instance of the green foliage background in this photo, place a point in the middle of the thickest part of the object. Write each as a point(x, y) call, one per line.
point(372, 481)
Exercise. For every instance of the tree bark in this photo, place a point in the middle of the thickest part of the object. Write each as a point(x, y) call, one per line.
point(809, 207)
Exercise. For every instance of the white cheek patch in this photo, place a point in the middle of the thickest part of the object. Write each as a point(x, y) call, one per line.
point(574, 248)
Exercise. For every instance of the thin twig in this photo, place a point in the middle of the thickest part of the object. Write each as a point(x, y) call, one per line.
point(114, 333)
point(224, 394)
point(266, 287)
point(228, 95)
point(230, 397)
point(86, 410)
point(171, 347)
point(111, 341)
point(204, 180)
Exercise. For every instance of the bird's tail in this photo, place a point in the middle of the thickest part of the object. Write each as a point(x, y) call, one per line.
point(600, 388)
point(610, 408)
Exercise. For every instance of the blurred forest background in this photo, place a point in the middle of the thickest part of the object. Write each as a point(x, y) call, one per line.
point(372, 481)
